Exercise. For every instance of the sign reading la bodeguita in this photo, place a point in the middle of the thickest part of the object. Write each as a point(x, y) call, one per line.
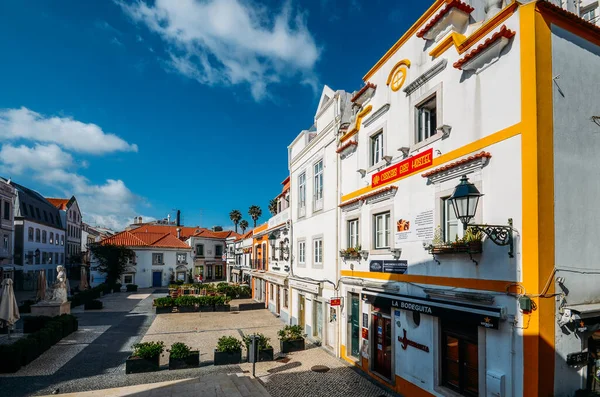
point(403, 168)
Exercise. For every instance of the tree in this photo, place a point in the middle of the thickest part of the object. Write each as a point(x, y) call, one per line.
point(273, 207)
point(236, 217)
point(243, 225)
point(255, 212)
point(112, 260)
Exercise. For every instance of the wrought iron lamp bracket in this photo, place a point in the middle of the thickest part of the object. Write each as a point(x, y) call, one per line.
point(498, 234)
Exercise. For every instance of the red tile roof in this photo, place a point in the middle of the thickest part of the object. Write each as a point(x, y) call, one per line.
point(60, 203)
point(154, 240)
point(449, 5)
point(503, 32)
point(185, 233)
point(362, 91)
point(569, 15)
point(205, 233)
point(245, 236)
point(346, 146)
point(456, 164)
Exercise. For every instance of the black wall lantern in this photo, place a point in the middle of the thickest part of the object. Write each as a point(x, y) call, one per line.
point(464, 200)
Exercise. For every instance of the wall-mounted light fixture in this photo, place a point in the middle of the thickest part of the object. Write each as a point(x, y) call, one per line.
point(388, 159)
point(445, 130)
point(362, 172)
point(404, 150)
point(396, 252)
point(464, 199)
point(364, 254)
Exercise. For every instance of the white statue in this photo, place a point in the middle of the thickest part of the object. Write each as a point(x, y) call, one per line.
point(58, 292)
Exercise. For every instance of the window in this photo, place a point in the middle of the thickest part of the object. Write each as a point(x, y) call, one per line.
point(460, 370)
point(31, 211)
point(353, 241)
point(281, 250)
point(62, 259)
point(318, 251)
point(51, 218)
point(376, 152)
point(56, 242)
point(37, 235)
point(157, 259)
point(50, 258)
point(62, 239)
point(24, 206)
point(29, 258)
point(5, 242)
point(56, 258)
point(426, 119)
point(285, 297)
point(318, 185)
point(449, 221)
point(45, 216)
point(51, 241)
point(181, 258)
point(37, 259)
point(7, 210)
point(44, 236)
point(302, 252)
point(302, 193)
point(30, 234)
point(44, 257)
point(381, 227)
point(128, 279)
point(70, 215)
point(589, 15)
point(199, 249)
point(271, 292)
point(218, 271)
point(218, 250)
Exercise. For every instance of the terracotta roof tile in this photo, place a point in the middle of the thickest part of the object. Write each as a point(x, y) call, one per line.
point(186, 231)
point(124, 238)
point(248, 234)
point(449, 5)
point(219, 235)
point(140, 239)
point(569, 15)
point(59, 203)
point(362, 91)
point(456, 164)
point(503, 32)
point(346, 146)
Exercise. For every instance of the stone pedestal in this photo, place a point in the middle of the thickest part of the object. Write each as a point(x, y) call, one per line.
point(51, 309)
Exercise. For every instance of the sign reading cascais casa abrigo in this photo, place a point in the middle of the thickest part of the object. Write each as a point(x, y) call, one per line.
point(403, 168)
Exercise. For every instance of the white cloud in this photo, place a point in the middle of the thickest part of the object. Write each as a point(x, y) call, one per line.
point(229, 42)
point(65, 131)
point(117, 42)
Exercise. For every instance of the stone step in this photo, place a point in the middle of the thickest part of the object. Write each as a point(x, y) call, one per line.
point(249, 387)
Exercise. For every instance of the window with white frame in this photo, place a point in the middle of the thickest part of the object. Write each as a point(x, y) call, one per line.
point(381, 229)
point(30, 234)
point(199, 249)
point(44, 235)
point(301, 193)
point(181, 258)
point(318, 251)
point(426, 122)
point(38, 233)
point(589, 15)
point(450, 224)
point(318, 185)
point(5, 242)
point(376, 151)
point(128, 279)
point(353, 240)
point(51, 238)
point(302, 252)
point(157, 259)
point(285, 297)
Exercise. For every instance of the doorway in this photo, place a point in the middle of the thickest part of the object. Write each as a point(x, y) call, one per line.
point(318, 321)
point(354, 321)
point(278, 302)
point(301, 306)
point(157, 279)
point(382, 359)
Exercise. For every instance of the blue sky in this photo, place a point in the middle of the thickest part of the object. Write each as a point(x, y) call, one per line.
point(139, 108)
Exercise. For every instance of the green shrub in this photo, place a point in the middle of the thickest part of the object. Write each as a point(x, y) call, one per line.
point(179, 350)
point(116, 287)
point(106, 288)
point(164, 302)
point(148, 350)
point(245, 292)
point(33, 324)
point(229, 344)
point(290, 332)
point(132, 288)
point(29, 349)
point(11, 358)
point(263, 341)
point(93, 305)
point(187, 300)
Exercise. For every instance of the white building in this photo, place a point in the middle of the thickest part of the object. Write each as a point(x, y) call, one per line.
point(590, 11)
point(39, 236)
point(210, 257)
point(7, 199)
point(160, 258)
point(89, 236)
point(70, 215)
point(314, 177)
point(241, 273)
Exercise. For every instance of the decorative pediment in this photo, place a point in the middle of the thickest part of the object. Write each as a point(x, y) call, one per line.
point(351, 205)
point(486, 52)
point(458, 168)
point(347, 148)
point(453, 17)
point(380, 195)
point(364, 94)
point(425, 77)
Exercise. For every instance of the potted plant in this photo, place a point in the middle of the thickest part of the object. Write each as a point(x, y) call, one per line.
point(145, 357)
point(222, 303)
point(93, 305)
point(132, 288)
point(117, 287)
point(186, 304)
point(206, 303)
point(228, 351)
point(264, 351)
point(352, 253)
point(164, 305)
point(291, 338)
point(181, 356)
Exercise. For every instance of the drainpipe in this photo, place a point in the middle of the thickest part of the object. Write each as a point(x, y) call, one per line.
point(337, 225)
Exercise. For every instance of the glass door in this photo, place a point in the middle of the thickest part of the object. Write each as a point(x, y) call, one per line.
point(301, 304)
point(318, 326)
point(383, 345)
point(354, 325)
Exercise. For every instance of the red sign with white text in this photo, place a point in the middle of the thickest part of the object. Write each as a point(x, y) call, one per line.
point(406, 167)
point(335, 301)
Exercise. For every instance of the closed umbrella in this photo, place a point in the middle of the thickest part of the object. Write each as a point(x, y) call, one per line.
point(9, 310)
point(83, 284)
point(42, 285)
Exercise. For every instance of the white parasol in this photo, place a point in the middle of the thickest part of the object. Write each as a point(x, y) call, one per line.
point(9, 310)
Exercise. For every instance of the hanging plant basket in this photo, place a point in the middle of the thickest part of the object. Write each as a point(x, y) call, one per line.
point(471, 247)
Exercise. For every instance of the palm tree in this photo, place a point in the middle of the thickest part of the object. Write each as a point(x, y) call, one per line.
point(273, 207)
point(255, 212)
point(235, 217)
point(243, 225)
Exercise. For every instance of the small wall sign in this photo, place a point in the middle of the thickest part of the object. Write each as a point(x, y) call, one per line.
point(405, 342)
point(388, 266)
point(365, 333)
point(335, 301)
point(365, 320)
point(577, 359)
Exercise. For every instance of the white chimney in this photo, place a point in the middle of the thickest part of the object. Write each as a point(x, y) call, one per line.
point(168, 218)
point(178, 232)
point(139, 219)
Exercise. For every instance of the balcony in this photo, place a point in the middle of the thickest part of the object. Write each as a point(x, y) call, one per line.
point(279, 218)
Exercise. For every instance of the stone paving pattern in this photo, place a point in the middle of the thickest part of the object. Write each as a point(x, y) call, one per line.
point(93, 358)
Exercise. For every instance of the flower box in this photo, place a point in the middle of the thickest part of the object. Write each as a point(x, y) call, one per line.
point(164, 309)
point(288, 346)
point(222, 308)
point(187, 309)
point(207, 308)
point(263, 355)
point(136, 365)
point(472, 247)
point(191, 361)
point(224, 358)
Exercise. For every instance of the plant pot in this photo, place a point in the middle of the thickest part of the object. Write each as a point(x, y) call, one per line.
point(288, 346)
point(164, 310)
point(187, 309)
point(207, 308)
point(191, 361)
point(263, 355)
point(222, 308)
point(224, 358)
point(136, 365)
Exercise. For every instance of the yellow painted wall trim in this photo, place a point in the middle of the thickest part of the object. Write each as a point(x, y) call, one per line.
point(356, 128)
point(404, 62)
point(468, 283)
point(434, 7)
point(446, 43)
point(453, 155)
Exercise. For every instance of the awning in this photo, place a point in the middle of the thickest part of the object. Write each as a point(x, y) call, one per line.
point(275, 278)
point(584, 311)
point(482, 316)
point(235, 271)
